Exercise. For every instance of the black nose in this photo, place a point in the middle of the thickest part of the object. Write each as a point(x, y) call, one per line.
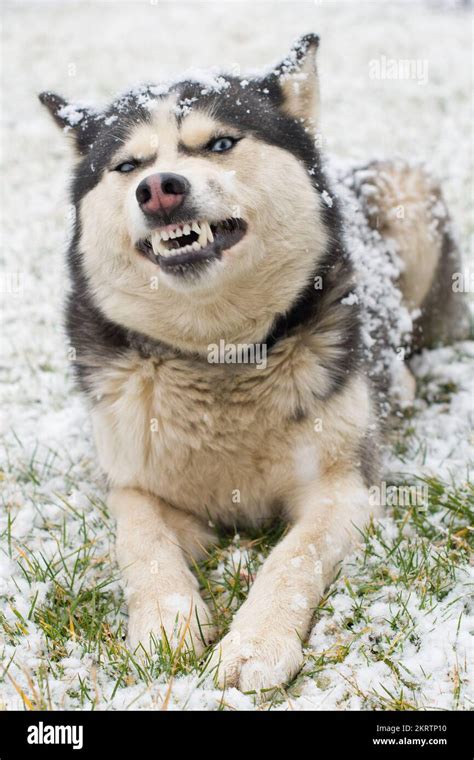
point(161, 192)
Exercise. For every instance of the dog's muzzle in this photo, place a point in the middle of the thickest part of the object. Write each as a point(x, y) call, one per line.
point(188, 246)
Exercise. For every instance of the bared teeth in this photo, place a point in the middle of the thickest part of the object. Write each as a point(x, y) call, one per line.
point(202, 239)
point(157, 244)
point(160, 237)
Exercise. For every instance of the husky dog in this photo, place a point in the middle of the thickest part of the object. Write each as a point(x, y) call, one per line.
point(204, 217)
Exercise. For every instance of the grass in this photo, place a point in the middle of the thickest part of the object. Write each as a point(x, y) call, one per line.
point(64, 616)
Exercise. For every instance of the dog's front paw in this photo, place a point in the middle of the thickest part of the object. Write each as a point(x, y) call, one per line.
point(254, 661)
point(182, 621)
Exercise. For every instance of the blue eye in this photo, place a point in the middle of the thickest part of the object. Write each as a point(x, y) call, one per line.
point(127, 166)
point(222, 144)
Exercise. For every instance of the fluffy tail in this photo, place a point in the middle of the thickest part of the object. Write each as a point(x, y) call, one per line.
point(405, 204)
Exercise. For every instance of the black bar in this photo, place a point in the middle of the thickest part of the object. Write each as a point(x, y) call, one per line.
point(375, 734)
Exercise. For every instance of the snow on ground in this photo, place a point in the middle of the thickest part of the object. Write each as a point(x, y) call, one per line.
point(395, 628)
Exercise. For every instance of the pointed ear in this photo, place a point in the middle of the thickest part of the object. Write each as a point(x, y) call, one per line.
point(298, 80)
point(81, 122)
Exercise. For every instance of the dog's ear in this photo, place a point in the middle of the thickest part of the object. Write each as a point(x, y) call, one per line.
point(79, 122)
point(298, 81)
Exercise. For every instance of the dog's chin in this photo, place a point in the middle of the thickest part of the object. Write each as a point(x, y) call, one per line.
point(186, 251)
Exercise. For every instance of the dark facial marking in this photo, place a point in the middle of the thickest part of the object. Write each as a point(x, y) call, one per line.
point(116, 124)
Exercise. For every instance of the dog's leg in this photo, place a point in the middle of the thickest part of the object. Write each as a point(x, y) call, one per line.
point(264, 645)
point(153, 541)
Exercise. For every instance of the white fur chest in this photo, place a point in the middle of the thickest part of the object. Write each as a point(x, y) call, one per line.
point(205, 438)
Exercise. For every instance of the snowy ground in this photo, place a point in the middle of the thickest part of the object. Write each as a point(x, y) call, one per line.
point(393, 631)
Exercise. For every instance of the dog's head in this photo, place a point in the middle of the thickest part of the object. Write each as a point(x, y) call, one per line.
point(198, 206)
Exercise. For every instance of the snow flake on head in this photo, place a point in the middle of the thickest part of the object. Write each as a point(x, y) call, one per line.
point(184, 106)
point(218, 85)
point(292, 62)
point(212, 81)
point(158, 90)
point(138, 96)
point(80, 117)
point(146, 96)
point(71, 114)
